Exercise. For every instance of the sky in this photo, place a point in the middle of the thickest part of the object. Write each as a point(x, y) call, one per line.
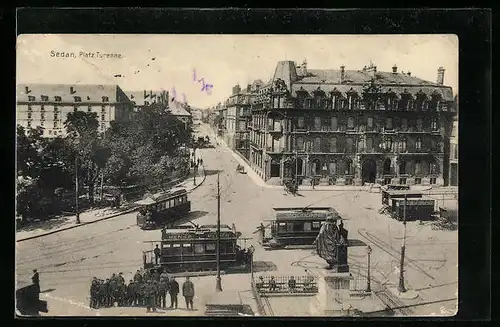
point(222, 60)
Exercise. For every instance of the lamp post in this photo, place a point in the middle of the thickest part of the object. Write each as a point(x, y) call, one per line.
point(401, 287)
point(368, 281)
point(195, 167)
point(218, 283)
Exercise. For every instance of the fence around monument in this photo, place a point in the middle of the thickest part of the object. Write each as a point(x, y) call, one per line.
point(286, 285)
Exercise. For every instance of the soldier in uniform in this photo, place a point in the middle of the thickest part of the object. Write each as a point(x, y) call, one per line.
point(157, 253)
point(164, 275)
point(113, 288)
point(161, 300)
point(174, 291)
point(142, 293)
point(188, 293)
point(156, 275)
point(150, 296)
point(107, 287)
point(94, 292)
point(130, 300)
point(36, 279)
point(121, 279)
point(138, 277)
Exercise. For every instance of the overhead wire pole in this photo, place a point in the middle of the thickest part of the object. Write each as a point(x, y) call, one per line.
point(401, 287)
point(218, 285)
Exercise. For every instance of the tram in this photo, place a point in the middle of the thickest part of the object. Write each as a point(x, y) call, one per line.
point(390, 194)
point(192, 249)
point(414, 209)
point(162, 209)
point(295, 226)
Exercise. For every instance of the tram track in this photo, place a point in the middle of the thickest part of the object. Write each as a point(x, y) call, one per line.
point(392, 252)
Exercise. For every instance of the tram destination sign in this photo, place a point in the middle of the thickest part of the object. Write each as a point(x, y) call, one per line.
point(415, 202)
point(194, 235)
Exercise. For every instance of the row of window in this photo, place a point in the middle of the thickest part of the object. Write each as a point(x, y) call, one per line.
point(169, 203)
point(75, 108)
point(330, 145)
point(173, 249)
point(333, 124)
point(289, 227)
point(56, 124)
point(57, 98)
point(56, 116)
point(354, 102)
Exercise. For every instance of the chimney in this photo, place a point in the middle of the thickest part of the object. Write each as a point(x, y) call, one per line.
point(145, 94)
point(409, 73)
point(27, 89)
point(394, 69)
point(440, 77)
point(342, 74)
point(150, 94)
point(71, 90)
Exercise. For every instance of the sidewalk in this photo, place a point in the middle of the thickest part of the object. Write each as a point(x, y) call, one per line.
point(91, 216)
point(261, 183)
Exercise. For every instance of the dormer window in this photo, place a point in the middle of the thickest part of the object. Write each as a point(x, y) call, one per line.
point(45, 98)
point(105, 99)
point(421, 103)
point(57, 98)
point(78, 99)
point(31, 98)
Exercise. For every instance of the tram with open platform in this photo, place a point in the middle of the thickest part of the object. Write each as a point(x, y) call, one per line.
point(194, 248)
point(162, 209)
point(294, 226)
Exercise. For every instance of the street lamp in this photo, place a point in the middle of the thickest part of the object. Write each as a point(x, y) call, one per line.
point(368, 281)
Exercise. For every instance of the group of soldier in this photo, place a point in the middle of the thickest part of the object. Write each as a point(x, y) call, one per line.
point(147, 289)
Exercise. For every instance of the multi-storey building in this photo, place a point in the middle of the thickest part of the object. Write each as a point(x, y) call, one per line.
point(453, 180)
point(352, 127)
point(47, 105)
point(179, 110)
point(142, 99)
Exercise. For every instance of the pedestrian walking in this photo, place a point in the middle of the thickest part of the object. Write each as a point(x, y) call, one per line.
point(157, 253)
point(174, 291)
point(188, 293)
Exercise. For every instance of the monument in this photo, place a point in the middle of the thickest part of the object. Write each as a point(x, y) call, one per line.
point(334, 283)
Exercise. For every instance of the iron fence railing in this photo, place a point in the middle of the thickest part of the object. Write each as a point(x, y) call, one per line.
point(286, 284)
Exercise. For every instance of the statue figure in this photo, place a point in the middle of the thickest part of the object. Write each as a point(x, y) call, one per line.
point(331, 243)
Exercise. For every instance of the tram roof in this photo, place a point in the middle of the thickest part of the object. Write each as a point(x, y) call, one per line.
point(402, 192)
point(149, 198)
point(310, 213)
point(203, 228)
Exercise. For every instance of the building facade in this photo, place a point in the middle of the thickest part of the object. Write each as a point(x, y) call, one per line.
point(350, 127)
point(453, 179)
point(48, 105)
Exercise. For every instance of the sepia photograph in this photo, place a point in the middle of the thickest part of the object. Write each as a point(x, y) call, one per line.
point(210, 175)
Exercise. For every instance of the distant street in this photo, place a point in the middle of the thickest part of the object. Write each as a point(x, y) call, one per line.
point(68, 260)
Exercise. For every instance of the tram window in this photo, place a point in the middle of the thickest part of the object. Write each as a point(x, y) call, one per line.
point(176, 245)
point(290, 227)
point(199, 248)
point(210, 248)
point(298, 227)
point(187, 248)
point(282, 227)
point(307, 226)
point(316, 225)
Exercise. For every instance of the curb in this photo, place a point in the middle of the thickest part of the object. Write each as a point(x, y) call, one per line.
point(101, 219)
point(79, 225)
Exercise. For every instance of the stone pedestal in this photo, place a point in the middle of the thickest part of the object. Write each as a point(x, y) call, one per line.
point(340, 181)
point(324, 182)
point(439, 181)
point(333, 292)
point(394, 180)
point(357, 182)
point(410, 181)
point(426, 181)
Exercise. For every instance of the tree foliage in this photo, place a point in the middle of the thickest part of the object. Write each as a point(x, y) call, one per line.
point(141, 151)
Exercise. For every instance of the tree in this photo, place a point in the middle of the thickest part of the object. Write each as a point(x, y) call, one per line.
point(84, 139)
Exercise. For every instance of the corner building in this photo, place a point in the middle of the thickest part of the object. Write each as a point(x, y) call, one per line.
point(350, 127)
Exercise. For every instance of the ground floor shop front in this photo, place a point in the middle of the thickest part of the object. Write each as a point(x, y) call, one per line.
point(350, 169)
